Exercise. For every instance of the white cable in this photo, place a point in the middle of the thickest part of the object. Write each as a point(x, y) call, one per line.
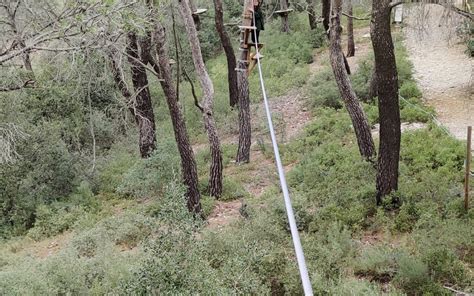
point(308, 290)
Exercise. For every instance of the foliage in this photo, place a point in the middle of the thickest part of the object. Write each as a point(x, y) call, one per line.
point(147, 177)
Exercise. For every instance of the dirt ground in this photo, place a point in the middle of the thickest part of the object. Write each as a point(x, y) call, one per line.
point(443, 70)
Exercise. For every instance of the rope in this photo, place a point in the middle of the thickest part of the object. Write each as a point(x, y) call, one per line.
point(308, 290)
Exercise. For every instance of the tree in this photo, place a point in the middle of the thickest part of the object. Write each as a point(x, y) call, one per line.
point(188, 163)
point(11, 10)
point(350, 31)
point(207, 105)
point(387, 91)
point(139, 102)
point(196, 18)
point(325, 13)
point(143, 108)
point(229, 53)
point(285, 27)
point(311, 14)
point(245, 131)
point(353, 106)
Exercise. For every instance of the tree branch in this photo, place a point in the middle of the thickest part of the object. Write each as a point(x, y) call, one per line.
point(27, 84)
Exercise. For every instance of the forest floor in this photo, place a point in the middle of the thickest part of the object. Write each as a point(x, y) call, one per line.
point(290, 116)
point(443, 70)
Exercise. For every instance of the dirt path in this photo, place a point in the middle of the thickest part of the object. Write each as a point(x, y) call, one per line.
point(444, 72)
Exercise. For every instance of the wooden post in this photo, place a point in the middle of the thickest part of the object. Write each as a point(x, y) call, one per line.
point(468, 168)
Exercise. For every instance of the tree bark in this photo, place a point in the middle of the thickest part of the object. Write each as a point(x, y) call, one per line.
point(325, 13)
point(215, 177)
point(285, 27)
point(245, 130)
point(373, 85)
point(196, 18)
point(387, 90)
point(229, 53)
point(311, 15)
point(188, 163)
point(350, 31)
point(353, 106)
point(143, 108)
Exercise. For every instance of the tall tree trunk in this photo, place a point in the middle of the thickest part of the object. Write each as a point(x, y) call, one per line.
point(285, 27)
point(353, 106)
point(325, 14)
point(188, 163)
point(373, 85)
point(229, 53)
point(196, 18)
point(387, 90)
point(350, 31)
point(215, 178)
point(143, 107)
point(311, 14)
point(245, 131)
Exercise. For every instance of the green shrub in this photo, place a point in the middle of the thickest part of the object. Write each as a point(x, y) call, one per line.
point(231, 189)
point(147, 177)
point(54, 219)
point(324, 91)
point(407, 217)
point(207, 204)
point(412, 276)
point(377, 264)
point(445, 267)
point(409, 89)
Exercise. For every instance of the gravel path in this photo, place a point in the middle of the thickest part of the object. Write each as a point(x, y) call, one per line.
point(444, 72)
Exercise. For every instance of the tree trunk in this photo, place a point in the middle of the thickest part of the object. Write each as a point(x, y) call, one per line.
point(387, 90)
point(215, 178)
point(196, 18)
point(229, 53)
point(325, 14)
point(285, 27)
point(350, 31)
point(353, 106)
point(311, 14)
point(188, 163)
point(373, 85)
point(143, 108)
point(245, 131)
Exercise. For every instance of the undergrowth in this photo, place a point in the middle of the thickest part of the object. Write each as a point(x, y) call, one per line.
point(131, 233)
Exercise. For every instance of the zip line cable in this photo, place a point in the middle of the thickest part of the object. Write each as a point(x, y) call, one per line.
point(308, 290)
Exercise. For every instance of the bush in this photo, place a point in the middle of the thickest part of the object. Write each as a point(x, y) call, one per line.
point(324, 91)
point(409, 89)
point(147, 177)
point(445, 267)
point(54, 219)
point(231, 189)
point(376, 264)
point(46, 173)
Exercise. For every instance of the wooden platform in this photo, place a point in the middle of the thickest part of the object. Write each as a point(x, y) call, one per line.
point(199, 11)
point(247, 28)
point(284, 11)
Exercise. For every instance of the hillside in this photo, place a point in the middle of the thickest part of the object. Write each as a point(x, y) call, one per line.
point(108, 222)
